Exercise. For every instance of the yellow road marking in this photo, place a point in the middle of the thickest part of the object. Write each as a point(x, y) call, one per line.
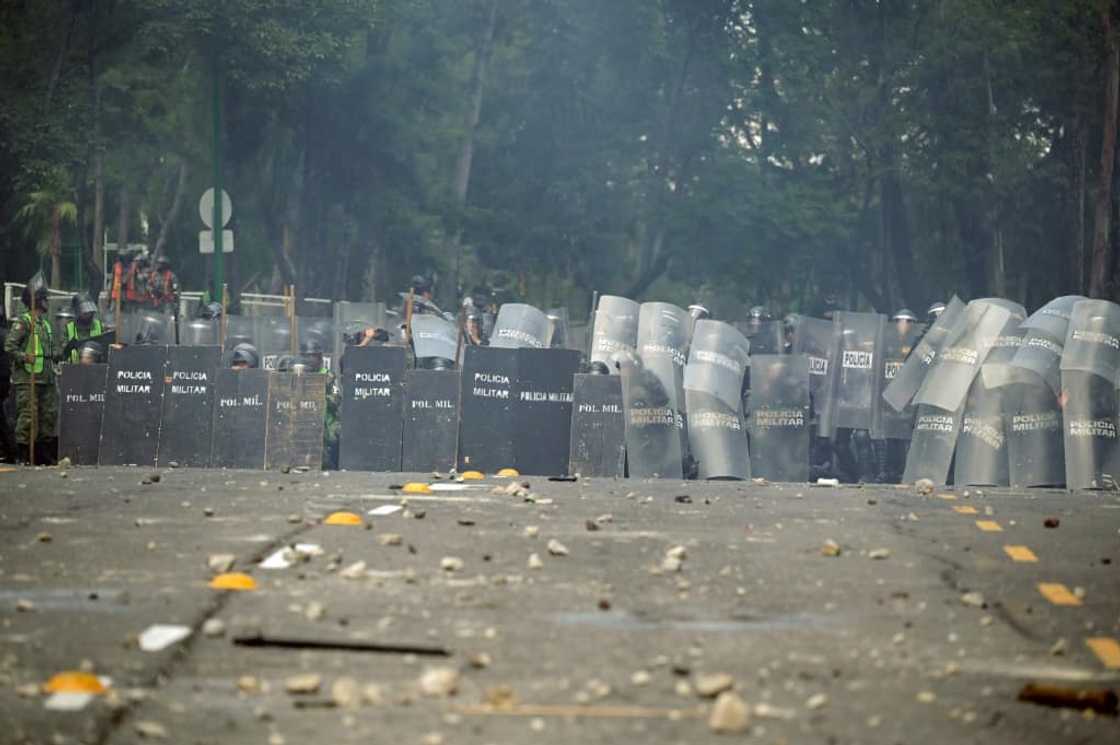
point(962, 509)
point(989, 526)
point(8, 469)
point(1058, 594)
point(949, 497)
point(1107, 651)
point(1020, 553)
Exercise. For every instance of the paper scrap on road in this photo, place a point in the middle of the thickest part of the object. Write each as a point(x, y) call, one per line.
point(160, 636)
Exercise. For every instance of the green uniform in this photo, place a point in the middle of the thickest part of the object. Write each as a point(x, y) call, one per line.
point(331, 423)
point(74, 331)
point(20, 346)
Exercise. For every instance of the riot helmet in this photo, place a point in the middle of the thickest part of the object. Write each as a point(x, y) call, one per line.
point(421, 285)
point(162, 262)
point(285, 363)
point(935, 311)
point(91, 353)
point(311, 352)
point(698, 312)
point(905, 314)
point(40, 297)
point(355, 332)
point(756, 317)
point(210, 311)
point(244, 357)
point(598, 367)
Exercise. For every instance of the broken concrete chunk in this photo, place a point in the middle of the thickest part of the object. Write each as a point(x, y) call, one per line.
point(535, 561)
point(729, 715)
point(973, 599)
point(357, 570)
point(345, 693)
point(439, 681)
point(151, 730)
point(303, 684)
point(709, 685)
point(878, 553)
point(389, 539)
point(556, 548)
point(830, 548)
point(923, 487)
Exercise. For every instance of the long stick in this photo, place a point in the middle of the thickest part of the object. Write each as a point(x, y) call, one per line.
point(34, 398)
point(293, 325)
point(224, 323)
point(408, 316)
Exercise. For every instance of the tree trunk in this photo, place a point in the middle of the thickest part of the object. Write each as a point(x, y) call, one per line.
point(122, 222)
point(474, 115)
point(56, 249)
point(173, 213)
point(1081, 151)
point(56, 71)
point(1101, 272)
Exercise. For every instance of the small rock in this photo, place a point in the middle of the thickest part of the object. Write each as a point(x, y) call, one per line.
point(357, 570)
point(23, 605)
point(1059, 647)
point(923, 487)
point(973, 599)
point(345, 693)
point(535, 561)
point(879, 553)
point(220, 563)
point(213, 627)
point(604, 519)
point(729, 715)
point(532, 531)
point(28, 690)
point(151, 730)
point(303, 684)
point(44, 537)
point(817, 701)
point(677, 552)
point(710, 685)
point(641, 678)
point(294, 518)
point(830, 548)
point(373, 694)
point(479, 660)
point(556, 548)
point(671, 564)
point(1051, 522)
point(926, 697)
point(683, 688)
point(769, 711)
point(248, 684)
point(389, 539)
point(591, 526)
point(173, 464)
point(208, 511)
point(64, 463)
point(439, 681)
point(156, 478)
point(451, 563)
point(314, 611)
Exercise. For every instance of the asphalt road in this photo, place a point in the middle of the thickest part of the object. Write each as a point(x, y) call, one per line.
point(923, 629)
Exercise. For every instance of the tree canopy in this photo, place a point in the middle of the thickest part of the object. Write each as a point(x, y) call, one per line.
point(732, 152)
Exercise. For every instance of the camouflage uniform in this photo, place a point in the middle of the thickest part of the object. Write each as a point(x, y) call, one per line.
point(18, 346)
point(331, 424)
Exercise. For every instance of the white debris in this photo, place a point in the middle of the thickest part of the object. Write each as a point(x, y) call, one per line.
point(924, 487)
point(151, 730)
point(817, 701)
point(879, 553)
point(535, 561)
point(439, 681)
point(213, 627)
point(973, 599)
point(303, 684)
point(712, 684)
point(385, 509)
point(556, 548)
point(161, 636)
point(345, 693)
point(357, 570)
point(451, 563)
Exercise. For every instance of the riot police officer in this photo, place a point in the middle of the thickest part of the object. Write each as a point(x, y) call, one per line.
point(31, 351)
point(934, 312)
point(90, 352)
point(422, 296)
point(85, 325)
point(311, 355)
point(244, 357)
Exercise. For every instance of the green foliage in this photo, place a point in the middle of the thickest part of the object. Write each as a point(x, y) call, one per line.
point(730, 151)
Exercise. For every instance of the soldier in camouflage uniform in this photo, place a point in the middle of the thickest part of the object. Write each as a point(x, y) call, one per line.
point(33, 353)
point(311, 351)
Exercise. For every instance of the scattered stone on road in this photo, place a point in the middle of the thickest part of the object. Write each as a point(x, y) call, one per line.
point(730, 714)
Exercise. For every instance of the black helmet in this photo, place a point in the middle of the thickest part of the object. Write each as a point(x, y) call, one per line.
point(210, 311)
point(935, 311)
point(90, 348)
point(420, 283)
point(246, 353)
point(311, 345)
point(82, 305)
point(285, 362)
point(905, 314)
point(598, 367)
point(791, 321)
point(381, 336)
point(759, 313)
point(40, 296)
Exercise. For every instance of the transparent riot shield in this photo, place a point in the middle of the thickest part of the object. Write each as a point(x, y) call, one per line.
point(959, 361)
point(519, 325)
point(981, 453)
point(888, 424)
point(435, 341)
point(932, 445)
point(615, 329)
point(1053, 318)
point(855, 376)
point(558, 336)
point(1033, 426)
point(199, 332)
point(652, 423)
point(779, 417)
point(1090, 361)
point(662, 345)
point(815, 338)
point(713, 381)
point(909, 378)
